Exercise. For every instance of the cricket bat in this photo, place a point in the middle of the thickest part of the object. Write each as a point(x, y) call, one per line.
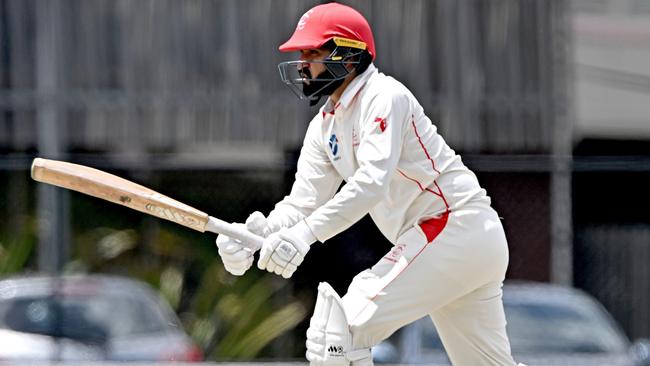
point(118, 190)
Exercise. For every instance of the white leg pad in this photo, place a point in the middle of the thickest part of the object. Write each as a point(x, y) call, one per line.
point(329, 341)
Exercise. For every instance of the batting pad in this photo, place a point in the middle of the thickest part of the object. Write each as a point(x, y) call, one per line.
point(329, 340)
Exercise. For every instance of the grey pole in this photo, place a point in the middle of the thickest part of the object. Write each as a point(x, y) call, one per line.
point(52, 207)
point(562, 144)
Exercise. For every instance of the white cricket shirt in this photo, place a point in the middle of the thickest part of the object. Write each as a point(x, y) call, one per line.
point(394, 163)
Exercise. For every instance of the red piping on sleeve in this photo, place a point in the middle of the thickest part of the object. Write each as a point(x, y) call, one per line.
point(433, 164)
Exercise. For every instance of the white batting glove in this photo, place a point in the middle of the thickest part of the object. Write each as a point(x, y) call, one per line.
point(237, 258)
point(256, 223)
point(282, 252)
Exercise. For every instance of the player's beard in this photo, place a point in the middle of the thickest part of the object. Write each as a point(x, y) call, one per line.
point(320, 86)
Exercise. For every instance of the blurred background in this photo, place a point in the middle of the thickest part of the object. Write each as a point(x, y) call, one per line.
point(547, 101)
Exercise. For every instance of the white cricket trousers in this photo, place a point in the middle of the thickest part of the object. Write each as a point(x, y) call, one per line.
point(450, 268)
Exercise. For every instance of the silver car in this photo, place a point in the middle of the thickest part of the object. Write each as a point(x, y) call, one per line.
point(548, 325)
point(73, 318)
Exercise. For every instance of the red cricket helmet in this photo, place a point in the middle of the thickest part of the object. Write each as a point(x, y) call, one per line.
point(331, 21)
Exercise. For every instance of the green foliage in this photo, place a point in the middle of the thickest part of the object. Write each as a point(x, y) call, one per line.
point(242, 314)
point(15, 252)
point(230, 317)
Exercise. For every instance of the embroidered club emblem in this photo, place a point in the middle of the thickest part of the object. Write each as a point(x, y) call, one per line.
point(382, 123)
point(395, 254)
point(303, 20)
point(334, 144)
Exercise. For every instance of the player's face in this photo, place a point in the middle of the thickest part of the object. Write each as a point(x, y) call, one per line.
point(314, 69)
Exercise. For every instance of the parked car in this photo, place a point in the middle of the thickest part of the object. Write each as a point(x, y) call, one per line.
point(548, 325)
point(94, 317)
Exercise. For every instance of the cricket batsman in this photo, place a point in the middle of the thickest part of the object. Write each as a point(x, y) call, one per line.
point(450, 252)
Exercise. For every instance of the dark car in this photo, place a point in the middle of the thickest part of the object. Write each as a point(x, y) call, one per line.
point(547, 325)
point(95, 317)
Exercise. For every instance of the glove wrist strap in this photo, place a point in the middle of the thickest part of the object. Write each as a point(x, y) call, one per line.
point(303, 232)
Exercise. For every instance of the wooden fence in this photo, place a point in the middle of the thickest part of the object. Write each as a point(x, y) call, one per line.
point(145, 76)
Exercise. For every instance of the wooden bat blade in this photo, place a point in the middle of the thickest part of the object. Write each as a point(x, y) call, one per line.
point(118, 190)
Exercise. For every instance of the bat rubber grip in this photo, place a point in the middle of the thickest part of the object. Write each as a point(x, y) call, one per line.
point(221, 227)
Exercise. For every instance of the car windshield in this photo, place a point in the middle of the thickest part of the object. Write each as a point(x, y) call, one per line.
point(560, 329)
point(550, 328)
point(95, 318)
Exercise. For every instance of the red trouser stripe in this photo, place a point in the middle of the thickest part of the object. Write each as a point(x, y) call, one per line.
point(432, 228)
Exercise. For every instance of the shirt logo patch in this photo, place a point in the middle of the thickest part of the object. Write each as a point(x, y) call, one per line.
point(382, 123)
point(334, 144)
point(395, 254)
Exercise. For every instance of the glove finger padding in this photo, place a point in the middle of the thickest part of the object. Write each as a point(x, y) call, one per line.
point(279, 257)
point(236, 257)
point(288, 270)
point(286, 259)
point(238, 268)
point(232, 248)
point(291, 256)
point(298, 245)
point(267, 250)
point(284, 251)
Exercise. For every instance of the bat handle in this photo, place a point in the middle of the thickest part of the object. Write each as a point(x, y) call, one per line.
point(221, 227)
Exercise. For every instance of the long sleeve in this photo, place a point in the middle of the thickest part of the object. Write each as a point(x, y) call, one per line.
point(381, 127)
point(315, 183)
